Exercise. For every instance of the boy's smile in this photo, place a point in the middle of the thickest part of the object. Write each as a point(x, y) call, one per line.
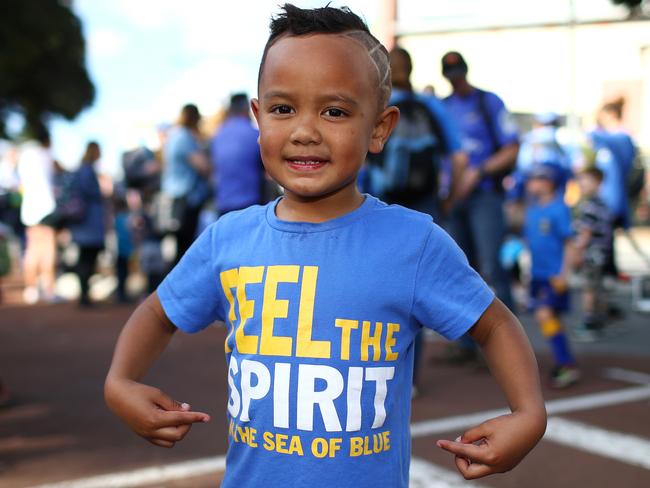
point(319, 114)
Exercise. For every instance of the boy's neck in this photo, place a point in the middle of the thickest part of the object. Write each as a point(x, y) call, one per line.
point(292, 208)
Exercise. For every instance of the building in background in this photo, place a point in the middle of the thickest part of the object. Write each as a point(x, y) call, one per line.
point(566, 56)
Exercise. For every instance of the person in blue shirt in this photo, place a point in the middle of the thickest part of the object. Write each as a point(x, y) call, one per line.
point(615, 155)
point(184, 176)
point(490, 139)
point(615, 161)
point(322, 292)
point(548, 233)
point(238, 174)
point(449, 147)
point(89, 233)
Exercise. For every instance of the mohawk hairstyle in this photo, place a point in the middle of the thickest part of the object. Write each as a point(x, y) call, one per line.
point(295, 21)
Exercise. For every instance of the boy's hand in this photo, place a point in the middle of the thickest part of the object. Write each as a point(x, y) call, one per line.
point(495, 446)
point(559, 283)
point(151, 413)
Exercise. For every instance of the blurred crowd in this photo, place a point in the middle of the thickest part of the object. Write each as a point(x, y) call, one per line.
point(530, 206)
point(87, 223)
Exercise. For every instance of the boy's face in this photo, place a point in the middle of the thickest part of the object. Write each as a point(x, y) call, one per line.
point(588, 184)
point(540, 187)
point(318, 113)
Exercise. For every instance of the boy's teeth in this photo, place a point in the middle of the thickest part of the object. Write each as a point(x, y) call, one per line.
point(306, 163)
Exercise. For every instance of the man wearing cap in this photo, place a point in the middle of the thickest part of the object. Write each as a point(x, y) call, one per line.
point(490, 138)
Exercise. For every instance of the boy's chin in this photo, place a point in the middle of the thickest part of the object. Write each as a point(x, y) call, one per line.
point(316, 193)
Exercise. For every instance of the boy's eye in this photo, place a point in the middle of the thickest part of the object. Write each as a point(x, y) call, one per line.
point(334, 112)
point(281, 109)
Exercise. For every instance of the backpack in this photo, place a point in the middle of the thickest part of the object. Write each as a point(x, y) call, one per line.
point(70, 203)
point(636, 178)
point(407, 168)
point(134, 164)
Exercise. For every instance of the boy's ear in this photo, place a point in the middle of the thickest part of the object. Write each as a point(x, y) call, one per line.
point(255, 106)
point(386, 122)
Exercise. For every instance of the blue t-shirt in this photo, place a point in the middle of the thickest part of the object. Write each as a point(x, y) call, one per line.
point(321, 321)
point(238, 172)
point(615, 153)
point(178, 176)
point(546, 228)
point(476, 138)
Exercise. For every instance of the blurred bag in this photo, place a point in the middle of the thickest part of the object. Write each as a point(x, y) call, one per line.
point(408, 166)
point(151, 259)
point(70, 204)
point(168, 213)
point(636, 177)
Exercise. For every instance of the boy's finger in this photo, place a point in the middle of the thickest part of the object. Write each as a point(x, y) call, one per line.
point(475, 434)
point(469, 451)
point(167, 419)
point(172, 434)
point(168, 403)
point(162, 443)
point(472, 471)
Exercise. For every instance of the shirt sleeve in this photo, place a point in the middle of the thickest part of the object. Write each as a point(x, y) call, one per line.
point(564, 229)
point(190, 293)
point(450, 131)
point(449, 295)
point(504, 124)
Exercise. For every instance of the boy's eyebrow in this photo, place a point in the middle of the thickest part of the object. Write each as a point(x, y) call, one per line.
point(322, 98)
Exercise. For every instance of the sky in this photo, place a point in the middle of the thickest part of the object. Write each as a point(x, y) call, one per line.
point(147, 58)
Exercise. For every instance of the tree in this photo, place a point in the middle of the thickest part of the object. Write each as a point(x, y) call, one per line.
point(634, 6)
point(42, 63)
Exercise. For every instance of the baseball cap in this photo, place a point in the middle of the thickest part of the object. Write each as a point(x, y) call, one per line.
point(543, 170)
point(453, 64)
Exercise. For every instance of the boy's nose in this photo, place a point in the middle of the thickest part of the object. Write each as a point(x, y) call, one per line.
point(306, 131)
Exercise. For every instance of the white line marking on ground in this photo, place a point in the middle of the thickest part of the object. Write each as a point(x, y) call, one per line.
point(146, 476)
point(205, 466)
point(424, 474)
point(573, 404)
point(626, 448)
point(627, 375)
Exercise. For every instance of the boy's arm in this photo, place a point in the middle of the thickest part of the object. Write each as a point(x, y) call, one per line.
point(148, 411)
point(499, 444)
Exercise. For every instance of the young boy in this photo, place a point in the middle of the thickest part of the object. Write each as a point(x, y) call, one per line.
point(593, 226)
point(323, 292)
point(547, 230)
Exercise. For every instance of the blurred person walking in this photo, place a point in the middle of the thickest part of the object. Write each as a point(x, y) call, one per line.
point(490, 138)
point(615, 155)
point(238, 174)
point(185, 178)
point(423, 137)
point(593, 226)
point(408, 169)
point(36, 169)
point(124, 236)
point(89, 232)
point(477, 221)
point(548, 233)
point(10, 196)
